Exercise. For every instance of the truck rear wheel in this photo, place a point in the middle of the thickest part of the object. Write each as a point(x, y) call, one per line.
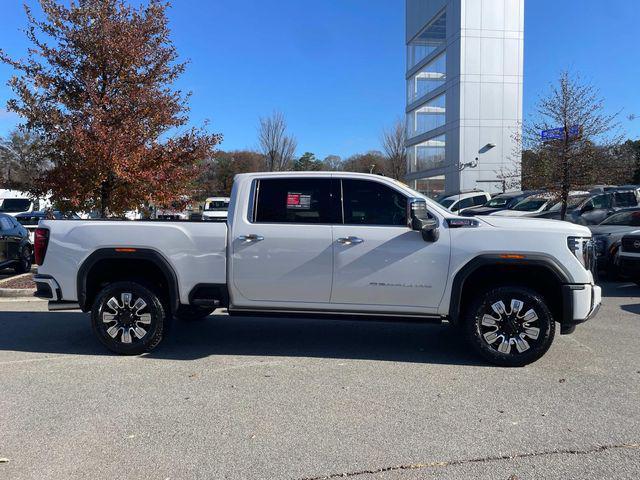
point(128, 318)
point(509, 326)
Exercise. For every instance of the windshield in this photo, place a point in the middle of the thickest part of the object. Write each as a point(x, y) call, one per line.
point(217, 205)
point(531, 204)
point(447, 202)
point(631, 219)
point(497, 202)
point(15, 205)
point(572, 202)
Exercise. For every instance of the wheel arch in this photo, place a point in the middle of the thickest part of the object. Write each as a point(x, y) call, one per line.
point(539, 272)
point(118, 263)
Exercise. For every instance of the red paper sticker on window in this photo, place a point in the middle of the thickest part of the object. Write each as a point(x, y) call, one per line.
point(293, 199)
point(298, 201)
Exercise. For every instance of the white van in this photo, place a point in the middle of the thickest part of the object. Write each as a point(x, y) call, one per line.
point(215, 209)
point(13, 202)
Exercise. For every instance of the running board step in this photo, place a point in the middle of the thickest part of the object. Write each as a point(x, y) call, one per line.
point(205, 302)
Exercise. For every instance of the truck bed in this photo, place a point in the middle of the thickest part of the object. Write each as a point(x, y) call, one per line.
point(195, 250)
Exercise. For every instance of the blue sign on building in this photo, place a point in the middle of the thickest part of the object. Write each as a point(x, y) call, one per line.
point(558, 133)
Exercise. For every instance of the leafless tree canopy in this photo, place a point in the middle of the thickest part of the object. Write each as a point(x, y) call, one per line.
point(583, 152)
point(393, 143)
point(276, 145)
point(23, 157)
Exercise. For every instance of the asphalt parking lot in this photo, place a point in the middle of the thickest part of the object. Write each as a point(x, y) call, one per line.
point(309, 399)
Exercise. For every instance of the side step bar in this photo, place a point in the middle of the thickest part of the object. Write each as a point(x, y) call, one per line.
point(57, 306)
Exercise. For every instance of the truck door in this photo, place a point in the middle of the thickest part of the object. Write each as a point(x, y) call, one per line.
point(282, 249)
point(378, 259)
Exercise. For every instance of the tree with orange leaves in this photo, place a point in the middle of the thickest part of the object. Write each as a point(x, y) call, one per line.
point(96, 87)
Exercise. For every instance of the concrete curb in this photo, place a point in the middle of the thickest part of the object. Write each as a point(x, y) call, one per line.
point(17, 292)
point(9, 279)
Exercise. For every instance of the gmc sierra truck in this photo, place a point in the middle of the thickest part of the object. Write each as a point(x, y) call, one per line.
point(328, 244)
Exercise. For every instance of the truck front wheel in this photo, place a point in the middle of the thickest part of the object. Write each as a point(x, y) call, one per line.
point(128, 318)
point(509, 326)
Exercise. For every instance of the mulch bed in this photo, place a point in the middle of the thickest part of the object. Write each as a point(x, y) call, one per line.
point(21, 282)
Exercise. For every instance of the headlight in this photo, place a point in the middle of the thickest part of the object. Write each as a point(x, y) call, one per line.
point(583, 249)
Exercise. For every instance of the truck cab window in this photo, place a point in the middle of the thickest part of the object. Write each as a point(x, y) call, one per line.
point(372, 203)
point(296, 200)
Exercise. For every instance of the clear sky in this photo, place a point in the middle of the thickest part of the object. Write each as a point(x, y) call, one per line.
point(336, 68)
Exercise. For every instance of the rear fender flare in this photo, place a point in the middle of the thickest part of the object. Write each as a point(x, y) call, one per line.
point(139, 254)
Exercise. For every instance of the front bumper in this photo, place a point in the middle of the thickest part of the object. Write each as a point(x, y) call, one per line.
point(629, 265)
point(581, 303)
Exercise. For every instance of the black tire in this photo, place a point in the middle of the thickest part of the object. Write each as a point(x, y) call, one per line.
point(191, 313)
point(25, 261)
point(131, 328)
point(506, 338)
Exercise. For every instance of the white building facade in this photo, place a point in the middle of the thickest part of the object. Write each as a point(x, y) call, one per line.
point(464, 93)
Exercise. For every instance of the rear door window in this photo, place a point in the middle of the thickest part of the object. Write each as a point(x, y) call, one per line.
point(296, 200)
point(625, 199)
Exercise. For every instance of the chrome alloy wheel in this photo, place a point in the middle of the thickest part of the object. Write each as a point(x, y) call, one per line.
point(502, 329)
point(126, 320)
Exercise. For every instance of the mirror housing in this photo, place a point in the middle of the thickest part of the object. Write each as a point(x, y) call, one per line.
point(421, 221)
point(587, 208)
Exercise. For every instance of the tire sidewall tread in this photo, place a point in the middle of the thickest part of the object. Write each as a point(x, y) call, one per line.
point(477, 308)
point(155, 306)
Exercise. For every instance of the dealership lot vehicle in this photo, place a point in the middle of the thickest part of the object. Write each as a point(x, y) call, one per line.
point(629, 256)
point(326, 244)
point(530, 206)
point(502, 201)
point(459, 202)
point(215, 209)
point(593, 208)
point(15, 247)
point(607, 237)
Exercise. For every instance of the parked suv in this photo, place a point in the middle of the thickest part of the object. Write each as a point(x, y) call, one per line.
point(499, 203)
point(458, 202)
point(595, 207)
point(629, 256)
point(15, 248)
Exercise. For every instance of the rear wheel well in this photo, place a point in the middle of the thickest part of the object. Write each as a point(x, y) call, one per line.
point(110, 270)
point(538, 278)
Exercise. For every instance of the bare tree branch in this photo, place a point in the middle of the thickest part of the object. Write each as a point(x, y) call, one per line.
point(393, 143)
point(277, 147)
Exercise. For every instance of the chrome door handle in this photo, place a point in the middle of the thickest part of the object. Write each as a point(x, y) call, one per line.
point(350, 240)
point(251, 238)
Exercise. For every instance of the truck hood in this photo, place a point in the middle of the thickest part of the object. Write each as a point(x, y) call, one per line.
point(536, 224)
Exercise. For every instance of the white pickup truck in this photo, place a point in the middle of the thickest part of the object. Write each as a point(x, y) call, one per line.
point(330, 244)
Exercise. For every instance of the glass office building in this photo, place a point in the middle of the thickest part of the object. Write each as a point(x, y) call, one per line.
point(464, 92)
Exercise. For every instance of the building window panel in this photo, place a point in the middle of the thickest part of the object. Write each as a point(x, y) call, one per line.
point(431, 76)
point(431, 187)
point(427, 155)
point(427, 117)
point(430, 39)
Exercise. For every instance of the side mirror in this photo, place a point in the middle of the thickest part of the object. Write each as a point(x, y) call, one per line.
point(422, 222)
point(587, 208)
